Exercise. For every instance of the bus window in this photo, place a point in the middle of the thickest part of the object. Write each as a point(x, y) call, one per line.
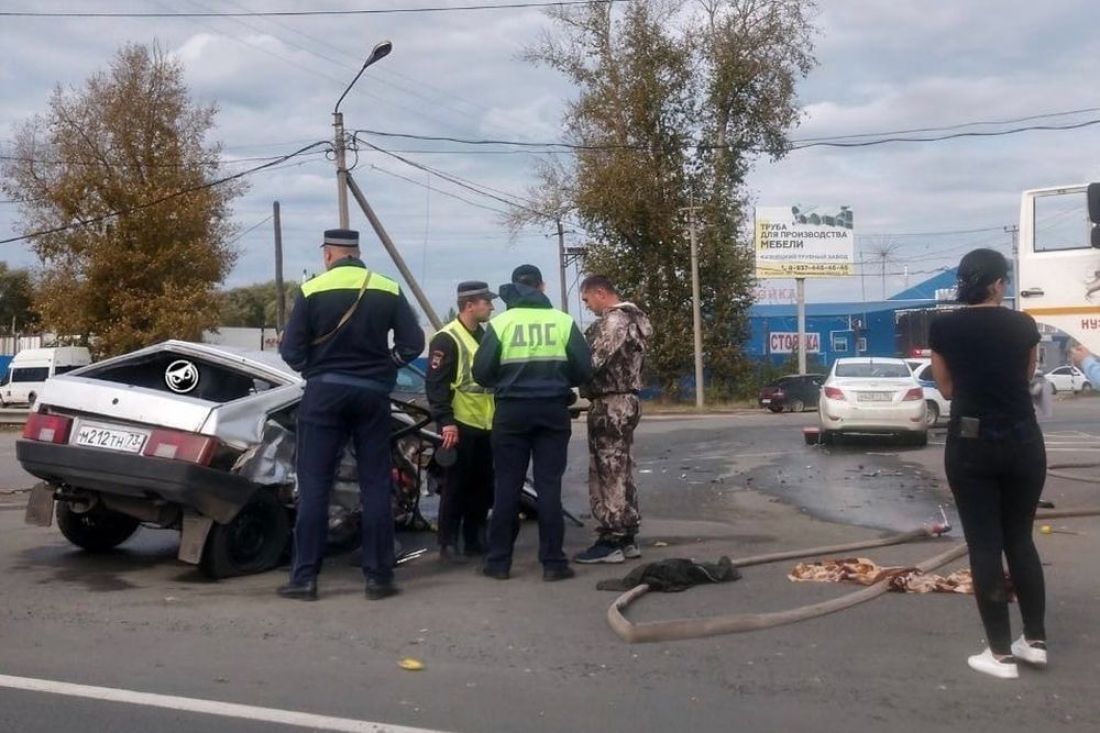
point(1061, 222)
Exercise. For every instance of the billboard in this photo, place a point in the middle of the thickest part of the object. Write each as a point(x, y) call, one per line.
point(800, 241)
point(786, 342)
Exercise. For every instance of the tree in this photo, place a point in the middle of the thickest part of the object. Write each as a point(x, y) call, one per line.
point(674, 101)
point(16, 295)
point(254, 306)
point(135, 273)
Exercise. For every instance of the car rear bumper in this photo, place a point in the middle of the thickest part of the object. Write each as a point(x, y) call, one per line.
point(216, 494)
point(839, 416)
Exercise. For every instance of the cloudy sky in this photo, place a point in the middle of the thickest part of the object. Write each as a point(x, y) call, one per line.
point(885, 66)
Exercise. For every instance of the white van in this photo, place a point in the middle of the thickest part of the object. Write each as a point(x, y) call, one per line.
point(31, 368)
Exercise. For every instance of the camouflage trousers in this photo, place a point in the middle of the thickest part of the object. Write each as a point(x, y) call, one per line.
point(611, 489)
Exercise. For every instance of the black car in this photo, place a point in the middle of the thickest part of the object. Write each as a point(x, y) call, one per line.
point(794, 392)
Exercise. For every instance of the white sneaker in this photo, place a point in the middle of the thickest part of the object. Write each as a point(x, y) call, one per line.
point(1030, 652)
point(989, 664)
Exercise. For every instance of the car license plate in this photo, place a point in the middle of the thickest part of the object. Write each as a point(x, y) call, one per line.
point(765, 401)
point(874, 396)
point(95, 436)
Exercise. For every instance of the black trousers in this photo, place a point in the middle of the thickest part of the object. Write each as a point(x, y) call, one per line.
point(467, 490)
point(996, 480)
point(328, 415)
point(528, 431)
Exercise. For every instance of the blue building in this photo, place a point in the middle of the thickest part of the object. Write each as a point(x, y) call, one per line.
point(894, 327)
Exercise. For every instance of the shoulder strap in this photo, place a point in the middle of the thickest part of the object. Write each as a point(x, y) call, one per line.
point(347, 314)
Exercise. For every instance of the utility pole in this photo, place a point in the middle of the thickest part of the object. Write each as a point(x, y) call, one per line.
point(1014, 231)
point(696, 310)
point(561, 267)
point(280, 290)
point(339, 139)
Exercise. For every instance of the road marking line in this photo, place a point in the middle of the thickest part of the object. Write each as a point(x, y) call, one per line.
point(206, 707)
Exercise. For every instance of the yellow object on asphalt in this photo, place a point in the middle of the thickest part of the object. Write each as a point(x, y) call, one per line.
point(413, 665)
point(1046, 529)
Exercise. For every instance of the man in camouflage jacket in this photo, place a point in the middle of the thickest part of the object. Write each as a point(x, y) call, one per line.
point(618, 342)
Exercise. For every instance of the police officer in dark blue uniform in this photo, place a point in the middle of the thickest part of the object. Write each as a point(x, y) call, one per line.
point(338, 338)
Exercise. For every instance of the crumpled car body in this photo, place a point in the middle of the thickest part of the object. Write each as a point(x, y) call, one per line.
point(198, 438)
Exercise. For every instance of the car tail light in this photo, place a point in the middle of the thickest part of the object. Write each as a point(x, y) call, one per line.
point(178, 446)
point(47, 428)
point(914, 394)
point(834, 393)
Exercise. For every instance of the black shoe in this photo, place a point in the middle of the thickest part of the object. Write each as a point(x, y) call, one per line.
point(494, 573)
point(300, 591)
point(563, 573)
point(377, 590)
point(448, 554)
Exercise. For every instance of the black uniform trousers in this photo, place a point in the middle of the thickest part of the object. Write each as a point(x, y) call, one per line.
point(996, 480)
point(528, 431)
point(468, 490)
point(330, 414)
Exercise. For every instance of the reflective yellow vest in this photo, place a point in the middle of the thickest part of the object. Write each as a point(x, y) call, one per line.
point(533, 334)
point(473, 404)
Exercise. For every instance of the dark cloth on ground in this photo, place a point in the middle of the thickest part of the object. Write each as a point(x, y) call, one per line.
point(674, 575)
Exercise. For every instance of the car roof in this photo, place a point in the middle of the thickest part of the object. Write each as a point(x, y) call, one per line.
point(870, 360)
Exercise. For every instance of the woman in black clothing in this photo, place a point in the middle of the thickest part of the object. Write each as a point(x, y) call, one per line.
point(983, 357)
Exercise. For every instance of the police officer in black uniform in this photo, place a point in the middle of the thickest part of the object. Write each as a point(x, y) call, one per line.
point(531, 355)
point(338, 338)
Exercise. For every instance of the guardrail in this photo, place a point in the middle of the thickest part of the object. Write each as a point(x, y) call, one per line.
point(13, 415)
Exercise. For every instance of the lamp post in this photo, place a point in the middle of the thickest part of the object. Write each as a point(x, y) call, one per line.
point(339, 141)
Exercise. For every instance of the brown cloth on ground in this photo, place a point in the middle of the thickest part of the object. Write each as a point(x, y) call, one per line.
point(674, 575)
point(867, 572)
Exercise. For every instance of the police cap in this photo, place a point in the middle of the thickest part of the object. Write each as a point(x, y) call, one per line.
point(340, 238)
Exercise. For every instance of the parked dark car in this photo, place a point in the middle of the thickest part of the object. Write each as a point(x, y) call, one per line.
point(794, 392)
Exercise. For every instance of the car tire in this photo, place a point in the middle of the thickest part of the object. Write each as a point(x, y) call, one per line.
point(96, 530)
point(932, 416)
point(31, 398)
point(797, 406)
point(776, 406)
point(1086, 387)
point(253, 542)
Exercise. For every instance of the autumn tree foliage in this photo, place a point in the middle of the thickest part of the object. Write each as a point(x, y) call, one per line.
point(116, 270)
point(674, 101)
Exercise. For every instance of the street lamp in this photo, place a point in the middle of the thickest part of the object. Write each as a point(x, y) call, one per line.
point(378, 53)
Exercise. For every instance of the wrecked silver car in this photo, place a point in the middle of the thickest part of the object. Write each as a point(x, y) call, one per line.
point(200, 439)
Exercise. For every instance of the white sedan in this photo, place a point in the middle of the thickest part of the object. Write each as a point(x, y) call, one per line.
point(939, 407)
point(1068, 379)
point(873, 395)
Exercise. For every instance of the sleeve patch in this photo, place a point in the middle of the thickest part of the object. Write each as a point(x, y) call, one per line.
point(437, 359)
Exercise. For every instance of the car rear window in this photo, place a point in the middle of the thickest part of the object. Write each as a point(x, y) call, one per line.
point(170, 372)
point(877, 371)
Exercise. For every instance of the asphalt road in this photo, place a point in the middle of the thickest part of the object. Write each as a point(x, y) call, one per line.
point(540, 657)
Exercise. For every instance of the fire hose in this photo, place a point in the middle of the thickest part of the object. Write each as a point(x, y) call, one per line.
point(693, 628)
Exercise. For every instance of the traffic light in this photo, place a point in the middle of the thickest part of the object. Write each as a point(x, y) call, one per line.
point(1094, 212)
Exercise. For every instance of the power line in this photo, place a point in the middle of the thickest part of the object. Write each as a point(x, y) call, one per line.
point(439, 191)
point(305, 13)
point(251, 229)
point(167, 197)
point(838, 143)
point(946, 128)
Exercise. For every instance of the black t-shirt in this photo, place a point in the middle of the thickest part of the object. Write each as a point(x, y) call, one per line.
point(987, 351)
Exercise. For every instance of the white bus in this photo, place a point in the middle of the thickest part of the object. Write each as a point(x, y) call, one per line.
point(30, 369)
point(1059, 260)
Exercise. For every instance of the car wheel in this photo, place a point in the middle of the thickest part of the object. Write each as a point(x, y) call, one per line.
point(1053, 389)
point(252, 543)
point(1086, 387)
point(932, 415)
point(31, 398)
point(776, 406)
point(797, 406)
point(96, 530)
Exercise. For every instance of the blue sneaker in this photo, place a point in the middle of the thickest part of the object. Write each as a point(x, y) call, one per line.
point(602, 551)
